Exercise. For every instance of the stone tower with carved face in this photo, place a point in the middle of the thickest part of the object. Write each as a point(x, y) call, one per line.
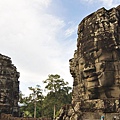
point(9, 86)
point(96, 63)
point(95, 67)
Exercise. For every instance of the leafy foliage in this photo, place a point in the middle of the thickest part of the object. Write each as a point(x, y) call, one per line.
point(58, 94)
point(32, 102)
point(54, 83)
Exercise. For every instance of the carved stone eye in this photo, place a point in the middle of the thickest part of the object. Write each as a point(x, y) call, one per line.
point(102, 66)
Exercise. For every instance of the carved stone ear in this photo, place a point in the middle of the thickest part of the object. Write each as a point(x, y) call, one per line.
point(102, 66)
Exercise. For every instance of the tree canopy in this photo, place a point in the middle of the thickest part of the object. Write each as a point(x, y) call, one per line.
point(38, 105)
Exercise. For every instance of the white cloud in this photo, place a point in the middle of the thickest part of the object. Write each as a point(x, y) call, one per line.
point(107, 3)
point(38, 42)
point(30, 36)
point(70, 30)
point(88, 1)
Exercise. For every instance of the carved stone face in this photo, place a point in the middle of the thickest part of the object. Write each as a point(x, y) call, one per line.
point(99, 73)
point(105, 68)
point(96, 62)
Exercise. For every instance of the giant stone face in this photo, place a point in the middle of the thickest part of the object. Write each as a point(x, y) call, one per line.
point(96, 63)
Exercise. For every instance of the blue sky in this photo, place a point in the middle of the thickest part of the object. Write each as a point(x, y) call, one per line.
point(40, 35)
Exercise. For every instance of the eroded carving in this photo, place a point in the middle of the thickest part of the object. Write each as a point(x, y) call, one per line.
point(9, 86)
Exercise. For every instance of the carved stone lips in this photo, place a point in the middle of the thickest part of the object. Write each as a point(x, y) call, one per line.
point(90, 79)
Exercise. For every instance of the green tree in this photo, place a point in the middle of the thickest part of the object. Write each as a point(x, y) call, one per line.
point(32, 104)
point(37, 105)
point(55, 83)
point(58, 95)
point(25, 106)
point(36, 98)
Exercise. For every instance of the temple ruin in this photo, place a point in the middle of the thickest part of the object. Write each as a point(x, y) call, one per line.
point(95, 68)
point(9, 87)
